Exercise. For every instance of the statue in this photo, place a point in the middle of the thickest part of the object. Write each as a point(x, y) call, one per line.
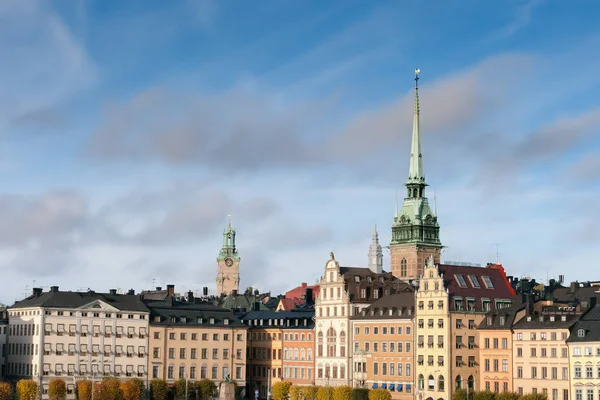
point(228, 379)
point(227, 389)
point(332, 256)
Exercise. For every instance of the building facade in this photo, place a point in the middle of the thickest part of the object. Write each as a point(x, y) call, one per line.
point(195, 340)
point(584, 354)
point(77, 335)
point(3, 336)
point(299, 347)
point(383, 345)
point(415, 229)
point(228, 264)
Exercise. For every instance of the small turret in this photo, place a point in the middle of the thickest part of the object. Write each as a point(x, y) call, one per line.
point(375, 254)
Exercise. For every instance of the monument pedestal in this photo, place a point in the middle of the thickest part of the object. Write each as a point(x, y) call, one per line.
point(227, 391)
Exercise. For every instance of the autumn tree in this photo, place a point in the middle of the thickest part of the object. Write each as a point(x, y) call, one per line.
point(107, 389)
point(295, 392)
point(325, 393)
point(507, 396)
point(360, 394)
point(180, 385)
point(6, 391)
point(131, 390)
point(460, 394)
point(534, 396)
point(57, 389)
point(379, 394)
point(84, 390)
point(281, 390)
point(484, 395)
point(342, 393)
point(27, 389)
point(207, 388)
point(309, 392)
point(159, 389)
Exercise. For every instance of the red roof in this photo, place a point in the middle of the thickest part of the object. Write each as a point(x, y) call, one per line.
point(298, 292)
point(289, 304)
point(477, 283)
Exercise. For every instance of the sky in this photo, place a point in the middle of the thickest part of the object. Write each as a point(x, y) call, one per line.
point(129, 131)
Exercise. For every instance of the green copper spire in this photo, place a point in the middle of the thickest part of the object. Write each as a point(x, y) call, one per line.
point(228, 249)
point(415, 170)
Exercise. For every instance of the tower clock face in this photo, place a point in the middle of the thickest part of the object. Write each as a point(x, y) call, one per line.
point(228, 262)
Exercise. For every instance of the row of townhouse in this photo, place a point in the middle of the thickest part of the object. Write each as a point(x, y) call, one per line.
point(89, 335)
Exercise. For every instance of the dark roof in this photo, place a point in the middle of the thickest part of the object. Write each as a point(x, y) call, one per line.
point(357, 278)
point(507, 315)
point(170, 312)
point(242, 302)
point(58, 299)
point(575, 293)
point(277, 317)
point(501, 290)
point(545, 322)
point(590, 323)
point(398, 303)
point(155, 294)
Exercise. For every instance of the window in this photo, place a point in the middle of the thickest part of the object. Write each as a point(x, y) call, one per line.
point(504, 365)
point(474, 281)
point(581, 333)
point(461, 280)
point(487, 282)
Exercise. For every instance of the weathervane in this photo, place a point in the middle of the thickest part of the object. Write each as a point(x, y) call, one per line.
point(229, 219)
point(417, 71)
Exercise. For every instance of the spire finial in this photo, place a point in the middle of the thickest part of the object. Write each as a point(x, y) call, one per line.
point(415, 171)
point(417, 72)
point(434, 203)
point(396, 205)
point(229, 221)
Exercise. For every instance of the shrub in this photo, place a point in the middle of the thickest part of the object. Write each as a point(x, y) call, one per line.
point(484, 395)
point(325, 393)
point(180, 388)
point(309, 392)
point(360, 394)
point(27, 389)
point(534, 396)
point(57, 389)
point(159, 390)
point(342, 393)
point(5, 391)
point(460, 394)
point(281, 390)
point(379, 394)
point(84, 390)
point(295, 392)
point(107, 389)
point(131, 390)
point(507, 396)
point(207, 388)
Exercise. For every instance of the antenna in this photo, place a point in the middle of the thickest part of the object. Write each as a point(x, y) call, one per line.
point(153, 283)
point(497, 252)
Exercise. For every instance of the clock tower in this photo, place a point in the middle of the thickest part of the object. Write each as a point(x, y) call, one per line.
point(228, 261)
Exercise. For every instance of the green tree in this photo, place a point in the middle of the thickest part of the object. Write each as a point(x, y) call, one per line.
point(325, 393)
point(57, 389)
point(534, 396)
point(507, 396)
point(6, 391)
point(281, 390)
point(460, 394)
point(207, 388)
point(379, 394)
point(360, 394)
point(309, 392)
point(342, 393)
point(180, 388)
point(484, 395)
point(27, 389)
point(84, 390)
point(159, 389)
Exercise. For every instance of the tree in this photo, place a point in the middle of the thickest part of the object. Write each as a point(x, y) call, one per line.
point(325, 393)
point(484, 395)
point(295, 392)
point(159, 390)
point(309, 392)
point(180, 388)
point(57, 389)
point(342, 393)
point(27, 389)
point(360, 394)
point(5, 391)
point(131, 390)
point(534, 396)
point(379, 394)
point(281, 390)
point(107, 389)
point(84, 390)
point(207, 388)
point(507, 396)
point(460, 394)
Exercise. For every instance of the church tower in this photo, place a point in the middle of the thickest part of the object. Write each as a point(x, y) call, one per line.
point(228, 272)
point(415, 230)
point(375, 254)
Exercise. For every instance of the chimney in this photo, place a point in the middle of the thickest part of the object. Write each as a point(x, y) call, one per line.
point(593, 302)
point(561, 279)
point(529, 304)
point(308, 296)
point(256, 292)
point(205, 291)
point(158, 288)
point(53, 289)
point(170, 290)
point(190, 296)
point(234, 292)
point(304, 285)
point(131, 291)
point(112, 291)
point(37, 292)
point(573, 287)
point(256, 306)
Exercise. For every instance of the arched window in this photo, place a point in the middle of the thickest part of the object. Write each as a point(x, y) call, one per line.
point(320, 344)
point(458, 382)
point(471, 382)
point(295, 353)
point(342, 344)
point(327, 374)
point(431, 383)
point(331, 340)
point(440, 383)
point(309, 354)
point(421, 382)
point(285, 354)
point(302, 354)
point(403, 268)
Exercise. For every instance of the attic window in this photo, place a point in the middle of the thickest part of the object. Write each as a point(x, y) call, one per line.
point(183, 319)
point(563, 318)
point(369, 279)
point(381, 279)
point(581, 333)
point(489, 320)
point(200, 320)
point(391, 312)
point(502, 320)
point(381, 311)
point(474, 281)
point(552, 318)
point(529, 318)
point(487, 282)
point(226, 321)
point(212, 321)
point(157, 318)
point(461, 280)
point(357, 278)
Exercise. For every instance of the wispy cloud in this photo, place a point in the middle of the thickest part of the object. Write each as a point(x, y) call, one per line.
point(522, 18)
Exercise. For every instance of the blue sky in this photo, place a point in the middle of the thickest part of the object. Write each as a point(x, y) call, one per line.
point(130, 130)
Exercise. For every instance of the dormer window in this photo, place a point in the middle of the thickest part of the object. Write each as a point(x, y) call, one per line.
point(460, 280)
point(581, 333)
point(489, 321)
point(212, 321)
point(357, 279)
point(552, 318)
point(474, 281)
point(369, 279)
point(487, 282)
point(563, 318)
point(226, 321)
point(529, 318)
point(502, 320)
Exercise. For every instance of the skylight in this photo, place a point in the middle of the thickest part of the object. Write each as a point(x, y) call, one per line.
point(474, 281)
point(461, 281)
point(487, 282)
